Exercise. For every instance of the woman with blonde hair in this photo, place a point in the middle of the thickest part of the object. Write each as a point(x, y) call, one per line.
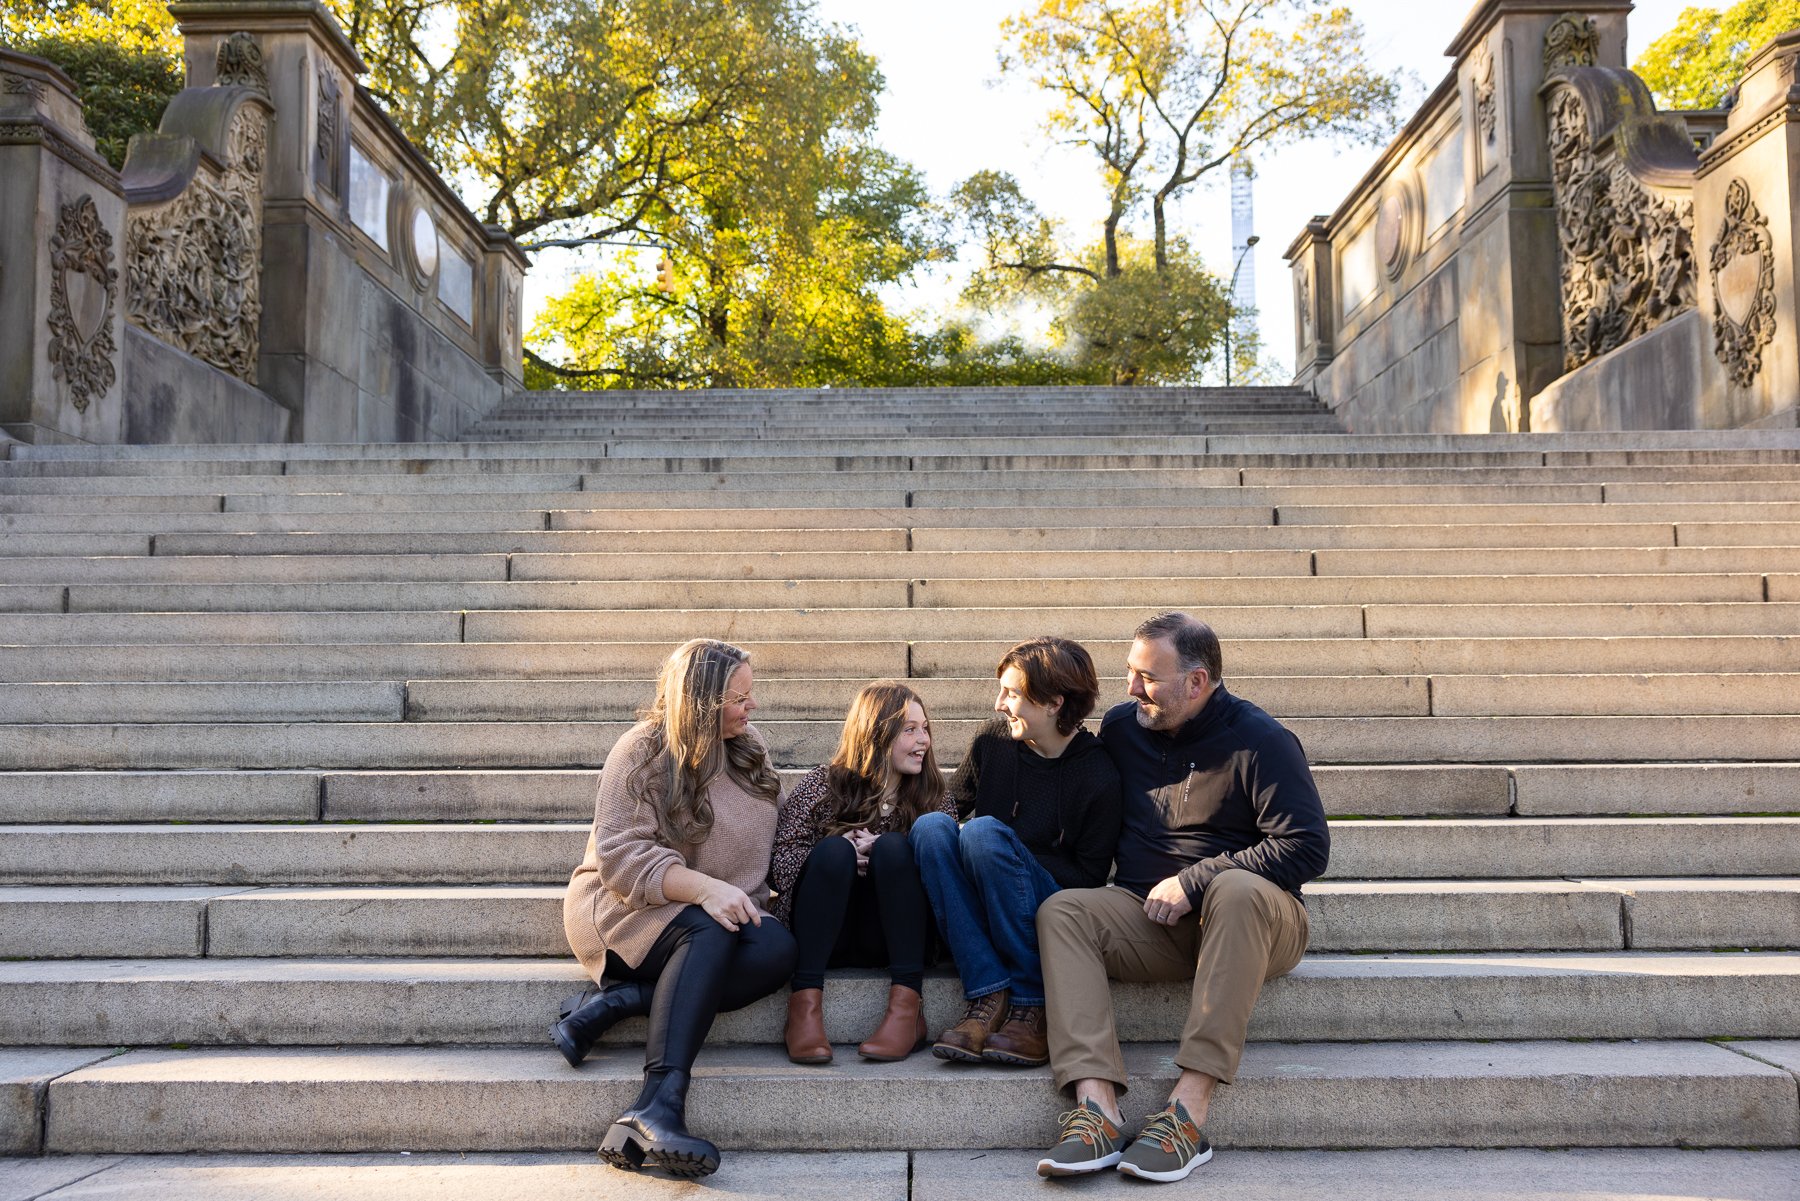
point(844, 870)
point(668, 911)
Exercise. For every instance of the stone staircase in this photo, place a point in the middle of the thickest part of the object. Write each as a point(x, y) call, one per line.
point(297, 748)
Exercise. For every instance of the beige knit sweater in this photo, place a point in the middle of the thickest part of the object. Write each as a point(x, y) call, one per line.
point(615, 900)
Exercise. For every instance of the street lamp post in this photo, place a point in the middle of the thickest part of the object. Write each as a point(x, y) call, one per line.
point(1230, 292)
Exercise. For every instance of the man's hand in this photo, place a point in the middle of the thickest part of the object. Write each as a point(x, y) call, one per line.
point(1168, 902)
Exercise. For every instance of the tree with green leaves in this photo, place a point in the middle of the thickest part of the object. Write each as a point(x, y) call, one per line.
point(1163, 93)
point(123, 56)
point(1697, 63)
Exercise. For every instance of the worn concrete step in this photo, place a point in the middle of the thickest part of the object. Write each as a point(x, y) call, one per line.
point(828, 699)
point(1050, 564)
point(1287, 1094)
point(1078, 539)
point(198, 569)
point(272, 744)
point(27, 629)
point(871, 659)
point(1507, 848)
point(568, 795)
point(1344, 511)
point(50, 922)
point(462, 1002)
point(350, 661)
point(1611, 1174)
point(350, 596)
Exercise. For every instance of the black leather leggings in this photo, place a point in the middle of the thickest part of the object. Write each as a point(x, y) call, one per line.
point(841, 919)
point(701, 970)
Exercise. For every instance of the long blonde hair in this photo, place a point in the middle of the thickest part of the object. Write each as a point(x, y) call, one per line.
point(684, 751)
point(861, 772)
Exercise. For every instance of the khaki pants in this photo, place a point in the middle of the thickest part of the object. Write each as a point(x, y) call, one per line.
point(1248, 930)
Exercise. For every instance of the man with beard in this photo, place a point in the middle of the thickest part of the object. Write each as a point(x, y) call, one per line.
point(1222, 827)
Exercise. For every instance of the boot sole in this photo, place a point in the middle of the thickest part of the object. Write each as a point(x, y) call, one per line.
point(952, 1054)
point(1012, 1061)
point(811, 1061)
point(622, 1149)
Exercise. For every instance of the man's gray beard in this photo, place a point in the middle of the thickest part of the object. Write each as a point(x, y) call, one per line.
point(1159, 722)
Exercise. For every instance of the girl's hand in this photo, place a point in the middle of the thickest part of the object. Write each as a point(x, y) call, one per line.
point(730, 906)
point(862, 840)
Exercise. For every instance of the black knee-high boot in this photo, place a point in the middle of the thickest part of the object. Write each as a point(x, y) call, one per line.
point(654, 1131)
point(576, 1034)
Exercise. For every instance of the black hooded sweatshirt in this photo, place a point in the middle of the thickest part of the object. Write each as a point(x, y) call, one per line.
point(1065, 810)
point(1230, 788)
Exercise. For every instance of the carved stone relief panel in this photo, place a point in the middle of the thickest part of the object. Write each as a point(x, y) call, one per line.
point(1742, 261)
point(18, 85)
point(194, 265)
point(1487, 109)
point(1303, 299)
point(83, 287)
point(1627, 255)
point(328, 152)
point(240, 64)
point(1573, 41)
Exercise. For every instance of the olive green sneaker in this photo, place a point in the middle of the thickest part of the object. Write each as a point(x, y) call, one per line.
point(1167, 1148)
point(1089, 1142)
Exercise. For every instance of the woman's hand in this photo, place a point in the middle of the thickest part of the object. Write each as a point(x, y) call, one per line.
point(729, 905)
point(862, 840)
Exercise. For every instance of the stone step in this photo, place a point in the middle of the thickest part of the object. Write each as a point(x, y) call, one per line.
point(178, 746)
point(1508, 848)
point(202, 569)
point(1067, 541)
point(922, 661)
point(1287, 1094)
point(39, 922)
point(473, 1002)
point(568, 795)
point(1427, 513)
point(754, 626)
point(1611, 1174)
point(359, 596)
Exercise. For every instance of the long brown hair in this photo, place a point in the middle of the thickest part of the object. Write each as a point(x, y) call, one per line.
point(684, 752)
point(861, 772)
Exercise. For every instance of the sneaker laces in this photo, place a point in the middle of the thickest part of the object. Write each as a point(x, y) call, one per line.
point(1088, 1125)
point(1168, 1129)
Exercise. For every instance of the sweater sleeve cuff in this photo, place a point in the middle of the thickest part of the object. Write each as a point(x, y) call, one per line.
point(653, 882)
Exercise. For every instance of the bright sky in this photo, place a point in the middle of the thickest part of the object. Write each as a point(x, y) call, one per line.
point(946, 112)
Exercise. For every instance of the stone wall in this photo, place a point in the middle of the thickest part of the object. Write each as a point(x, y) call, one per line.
point(277, 230)
point(1597, 265)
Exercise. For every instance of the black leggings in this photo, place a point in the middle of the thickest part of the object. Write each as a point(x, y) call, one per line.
point(701, 970)
point(842, 919)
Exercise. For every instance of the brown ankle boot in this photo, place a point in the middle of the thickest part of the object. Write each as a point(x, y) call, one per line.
point(963, 1042)
point(1021, 1041)
point(806, 1041)
point(902, 1030)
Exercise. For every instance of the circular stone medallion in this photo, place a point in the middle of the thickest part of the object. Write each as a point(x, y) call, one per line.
point(424, 243)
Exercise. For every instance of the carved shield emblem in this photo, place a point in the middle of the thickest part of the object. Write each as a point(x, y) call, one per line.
point(1736, 283)
point(83, 285)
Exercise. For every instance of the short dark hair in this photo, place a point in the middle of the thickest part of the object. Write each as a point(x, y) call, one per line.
point(1195, 643)
point(1055, 667)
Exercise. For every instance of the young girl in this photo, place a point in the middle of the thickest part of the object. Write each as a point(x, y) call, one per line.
point(844, 870)
point(668, 911)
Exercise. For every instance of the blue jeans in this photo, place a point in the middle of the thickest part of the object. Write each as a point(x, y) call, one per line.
point(985, 888)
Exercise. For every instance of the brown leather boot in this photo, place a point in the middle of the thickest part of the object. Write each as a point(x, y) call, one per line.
point(806, 1041)
point(1021, 1041)
point(963, 1041)
point(902, 1029)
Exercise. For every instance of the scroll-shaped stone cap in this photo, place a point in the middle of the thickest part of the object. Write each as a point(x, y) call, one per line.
point(32, 87)
point(1655, 147)
point(196, 126)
